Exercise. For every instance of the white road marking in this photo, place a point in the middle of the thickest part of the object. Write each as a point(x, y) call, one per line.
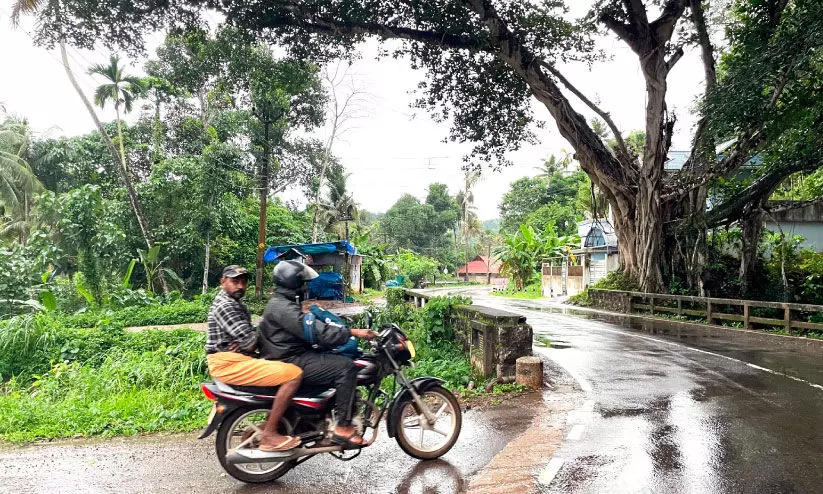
point(575, 433)
point(770, 371)
point(548, 473)
point(672, 343)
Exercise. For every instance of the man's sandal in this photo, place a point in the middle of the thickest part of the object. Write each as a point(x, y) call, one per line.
point(288, 444)
point(348, 441)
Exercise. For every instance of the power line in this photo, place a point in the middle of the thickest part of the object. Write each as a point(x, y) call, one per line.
point(59, 61)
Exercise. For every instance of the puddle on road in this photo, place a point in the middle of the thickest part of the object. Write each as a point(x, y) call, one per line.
point(435, 477)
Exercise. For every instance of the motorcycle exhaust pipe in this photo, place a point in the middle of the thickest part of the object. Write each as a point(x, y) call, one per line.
point(256, 456)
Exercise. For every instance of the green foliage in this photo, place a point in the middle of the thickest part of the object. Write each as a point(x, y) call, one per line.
point(431, 329)
point(395, 297)
point(548, 199)
point(27, 344)
point(120, 384)
point(410, 224)
point(614, 280)
point(521, 253)
point(582, 299)
point(617, 280)
point(179, 312)
point(414, 267)
point(533, 290)
point(376, 268)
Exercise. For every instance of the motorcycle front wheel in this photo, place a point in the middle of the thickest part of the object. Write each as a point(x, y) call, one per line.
point(427, 441)
point(236, 428)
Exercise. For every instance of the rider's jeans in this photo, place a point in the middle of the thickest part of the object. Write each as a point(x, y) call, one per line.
point(327, 369)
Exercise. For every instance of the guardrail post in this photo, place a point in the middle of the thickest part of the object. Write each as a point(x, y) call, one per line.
point(679, 306)
point(651, 302)
point(787, 318)
point(746, 323)
point(709, 311)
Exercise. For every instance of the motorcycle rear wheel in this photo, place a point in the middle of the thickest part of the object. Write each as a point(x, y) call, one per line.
point(230, 434)
point(427, 442)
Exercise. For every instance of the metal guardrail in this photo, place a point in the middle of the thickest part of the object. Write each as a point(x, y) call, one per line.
point(710, 309)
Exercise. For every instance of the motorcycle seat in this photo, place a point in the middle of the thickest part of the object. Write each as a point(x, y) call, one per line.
point(305, 392)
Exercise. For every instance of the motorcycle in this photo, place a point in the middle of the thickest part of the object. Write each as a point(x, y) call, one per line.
point(421, 414)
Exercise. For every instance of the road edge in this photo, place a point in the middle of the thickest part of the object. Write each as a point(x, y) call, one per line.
point(517, 466)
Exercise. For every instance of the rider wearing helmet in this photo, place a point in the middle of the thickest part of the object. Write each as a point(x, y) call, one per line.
point(285, 337)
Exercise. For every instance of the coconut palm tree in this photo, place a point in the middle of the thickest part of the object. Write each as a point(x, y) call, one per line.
point(18, 183)
point(469, 223)
point(22, 7)
point(338, 208)
point(121, 89)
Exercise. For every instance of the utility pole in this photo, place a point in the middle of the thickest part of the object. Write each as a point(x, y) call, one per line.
point(489, 266)
point(267, 121)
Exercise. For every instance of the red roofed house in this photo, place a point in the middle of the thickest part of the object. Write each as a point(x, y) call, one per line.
point(481, 269)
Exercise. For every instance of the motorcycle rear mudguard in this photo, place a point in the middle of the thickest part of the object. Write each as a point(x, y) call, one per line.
point(420, 384)
point(226, 404)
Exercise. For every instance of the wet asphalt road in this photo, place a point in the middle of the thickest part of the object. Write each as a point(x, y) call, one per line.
point(181, 464)
point(664, 411)
point(678, 411)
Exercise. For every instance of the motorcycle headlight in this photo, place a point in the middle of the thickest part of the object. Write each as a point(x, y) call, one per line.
point(410, 347)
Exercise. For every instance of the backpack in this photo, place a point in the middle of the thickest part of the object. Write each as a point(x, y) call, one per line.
point(328, 321)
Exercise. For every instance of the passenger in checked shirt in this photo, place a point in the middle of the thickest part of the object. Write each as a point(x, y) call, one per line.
point(230, 348)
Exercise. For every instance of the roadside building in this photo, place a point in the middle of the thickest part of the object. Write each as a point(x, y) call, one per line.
point(805, 220)
point(574, 271)
point(482, 269)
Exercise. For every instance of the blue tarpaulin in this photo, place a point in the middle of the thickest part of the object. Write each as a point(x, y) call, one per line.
point(329, 285)
point(342, 246)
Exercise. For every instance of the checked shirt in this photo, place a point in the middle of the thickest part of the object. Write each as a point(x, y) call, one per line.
point(229, 322)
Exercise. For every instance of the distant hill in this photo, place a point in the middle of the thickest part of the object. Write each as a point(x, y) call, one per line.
point(493, 224)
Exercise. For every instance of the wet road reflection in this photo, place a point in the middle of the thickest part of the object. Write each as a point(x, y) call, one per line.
point(674, 410)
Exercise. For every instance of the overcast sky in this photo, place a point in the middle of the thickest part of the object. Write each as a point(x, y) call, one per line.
point(395, 149)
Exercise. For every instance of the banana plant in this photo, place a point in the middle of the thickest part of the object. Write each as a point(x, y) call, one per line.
point(153, 266)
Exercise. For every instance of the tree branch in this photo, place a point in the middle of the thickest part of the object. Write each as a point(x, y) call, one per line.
point(733, 208)
point(623, 31)
point(706, 48)
point(663, 26)
point(603, 114)
point(782, 206)
point(637, 12)
point(298, 16)
point(595, 158)
point(676, 56)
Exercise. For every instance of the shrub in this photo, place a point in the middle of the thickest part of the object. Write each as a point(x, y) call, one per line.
point(431, 329)
point(27, 344)
point(617, 280)
point(132, 390)
point(179, 312)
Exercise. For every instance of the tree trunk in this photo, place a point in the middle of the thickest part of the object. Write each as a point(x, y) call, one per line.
point(118, 158)
point(467, 259)
point(751, 225)
point(264, 195)
point(317, 197)
point(206, 263)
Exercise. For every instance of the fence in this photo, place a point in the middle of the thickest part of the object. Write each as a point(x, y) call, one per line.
point(562, 280)
point(748, 313)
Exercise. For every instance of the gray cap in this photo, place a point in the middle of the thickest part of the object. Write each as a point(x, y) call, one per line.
point(234, 271)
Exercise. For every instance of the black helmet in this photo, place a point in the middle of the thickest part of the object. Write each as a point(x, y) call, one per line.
point(292, 274)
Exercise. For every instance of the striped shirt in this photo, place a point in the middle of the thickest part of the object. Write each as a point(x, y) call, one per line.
point(229, 323)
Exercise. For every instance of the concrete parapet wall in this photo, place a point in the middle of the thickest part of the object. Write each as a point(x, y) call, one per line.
point(611, 300)
point(493, 338)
